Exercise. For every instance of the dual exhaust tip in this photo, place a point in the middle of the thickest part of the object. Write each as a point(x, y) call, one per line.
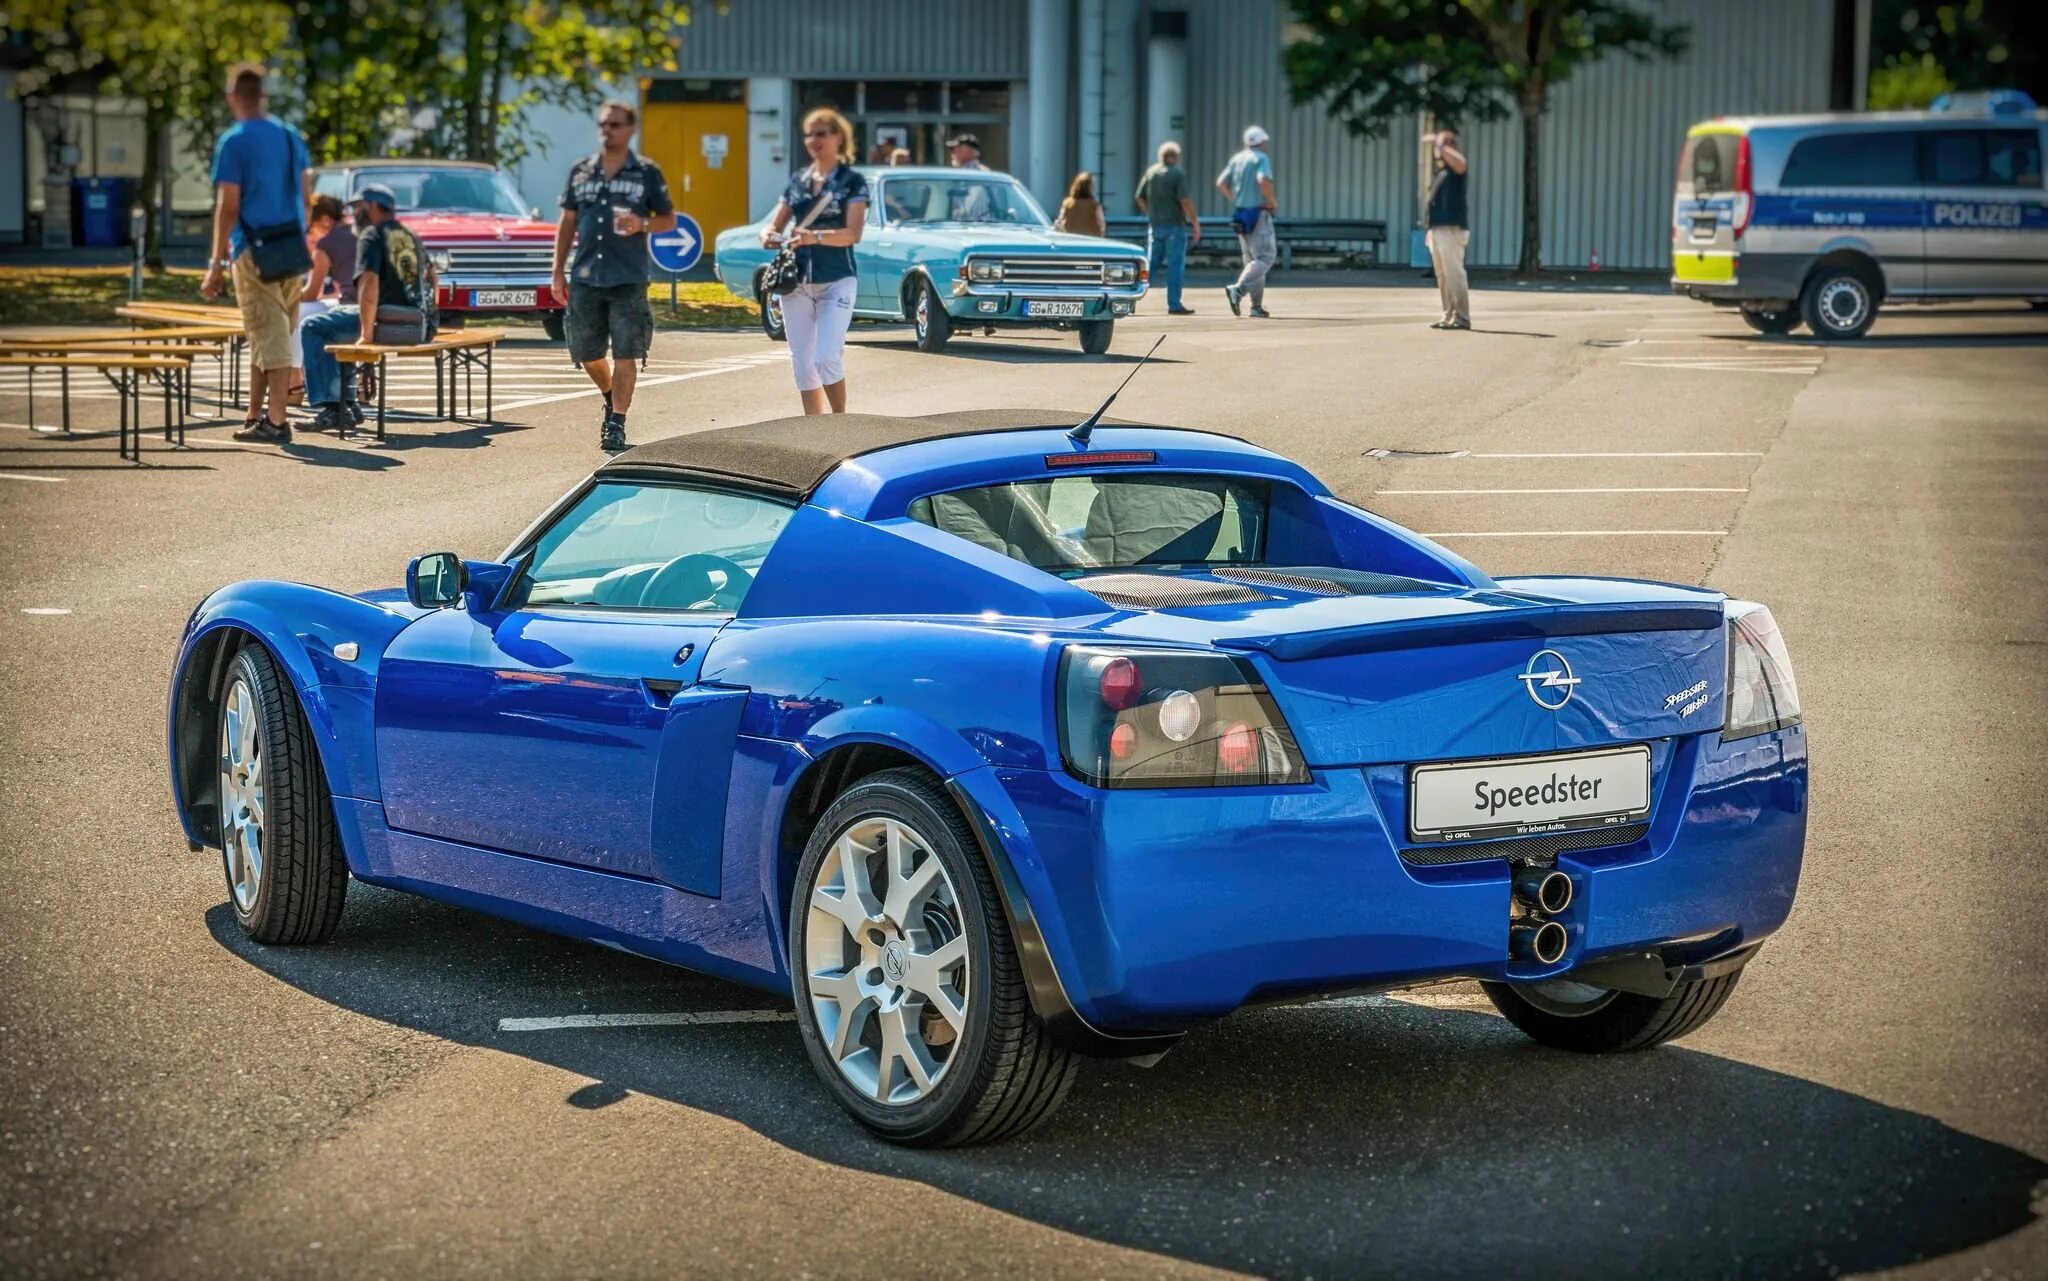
point(1547, 891)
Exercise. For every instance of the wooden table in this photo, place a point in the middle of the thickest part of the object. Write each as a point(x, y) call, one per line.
point(125, 371)
point(463, 349)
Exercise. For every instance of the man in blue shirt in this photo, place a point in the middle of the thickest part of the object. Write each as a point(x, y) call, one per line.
point(1247, 183)
point(261, 178)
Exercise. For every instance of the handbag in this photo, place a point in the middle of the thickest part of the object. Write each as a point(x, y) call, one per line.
point(784, 273)
point(278, 252)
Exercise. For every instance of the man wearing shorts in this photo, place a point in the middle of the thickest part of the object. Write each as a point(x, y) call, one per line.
point(612, 201)
point(261, 179)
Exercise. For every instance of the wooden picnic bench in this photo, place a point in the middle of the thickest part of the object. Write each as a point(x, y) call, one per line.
point(184, 321)
point(1326, 235)
point(125, 371)
point(458, 349)
point(192, 341)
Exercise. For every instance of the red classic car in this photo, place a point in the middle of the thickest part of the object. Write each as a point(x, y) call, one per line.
point(490, 249)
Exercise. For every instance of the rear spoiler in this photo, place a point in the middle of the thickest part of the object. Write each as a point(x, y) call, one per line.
point(1531, 622)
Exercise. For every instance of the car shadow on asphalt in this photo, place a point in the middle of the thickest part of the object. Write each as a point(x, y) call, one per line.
point(1288, 1141)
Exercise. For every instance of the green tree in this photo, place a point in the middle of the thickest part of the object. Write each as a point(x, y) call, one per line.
point(155, 53)
point(1920, 51)
point(1375, 62)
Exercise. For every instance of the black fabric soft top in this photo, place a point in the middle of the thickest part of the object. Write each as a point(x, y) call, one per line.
point(793, 455)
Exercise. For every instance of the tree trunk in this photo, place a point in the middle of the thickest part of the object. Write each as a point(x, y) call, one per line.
point(156, 122)
point(1532, 105)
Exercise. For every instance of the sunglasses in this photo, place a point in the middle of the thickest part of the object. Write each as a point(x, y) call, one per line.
point(822, 133)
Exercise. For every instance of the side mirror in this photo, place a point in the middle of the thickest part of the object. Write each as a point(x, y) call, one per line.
point(435, 580)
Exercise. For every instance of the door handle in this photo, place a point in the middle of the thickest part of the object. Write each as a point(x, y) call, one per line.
point(661, 693)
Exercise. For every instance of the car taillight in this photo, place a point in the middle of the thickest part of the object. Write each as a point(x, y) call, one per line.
point(1762, 695)
point(1171, 718)
point(1744, 203)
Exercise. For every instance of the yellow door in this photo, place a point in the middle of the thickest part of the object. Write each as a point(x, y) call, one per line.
point(702, 150)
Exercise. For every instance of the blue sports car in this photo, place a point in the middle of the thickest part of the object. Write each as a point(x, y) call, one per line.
point(951, 249)
point(992, 741)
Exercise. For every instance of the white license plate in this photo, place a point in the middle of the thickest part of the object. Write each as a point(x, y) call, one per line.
point(501, 297)
point(1523, 795)
point(1049, 307)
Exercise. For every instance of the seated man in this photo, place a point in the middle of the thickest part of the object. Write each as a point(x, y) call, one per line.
point(394, 290)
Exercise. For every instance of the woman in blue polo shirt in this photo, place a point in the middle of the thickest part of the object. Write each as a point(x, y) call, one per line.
point(827, 201)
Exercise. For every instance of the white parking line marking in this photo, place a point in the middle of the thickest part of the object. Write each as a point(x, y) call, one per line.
point(46, 612)
point(645, 1020)
point(1582, 533)
point(1657, 489)
point(1732, 453)
point(41, 480)
point(1729, 367)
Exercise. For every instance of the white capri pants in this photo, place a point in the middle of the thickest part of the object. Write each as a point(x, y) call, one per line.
point(816, 317)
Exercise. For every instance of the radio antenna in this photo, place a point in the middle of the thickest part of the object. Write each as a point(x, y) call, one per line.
point(1079, 434)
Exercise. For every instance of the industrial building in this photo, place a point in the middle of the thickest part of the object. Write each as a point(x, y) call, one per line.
point(1053, 87)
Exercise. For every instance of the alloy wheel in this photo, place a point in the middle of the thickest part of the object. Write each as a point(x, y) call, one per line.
point(886, 957)
point(241, 796)
point(924, 312)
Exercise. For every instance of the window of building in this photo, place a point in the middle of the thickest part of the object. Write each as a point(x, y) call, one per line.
point(1879, 159)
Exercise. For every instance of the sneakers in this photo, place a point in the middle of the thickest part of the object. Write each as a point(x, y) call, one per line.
point(1232, 293)
point(260, 431)
point(355, 413)
point(1260, 313)
point(332, 417)
point(613, 438)
point(1458, 324)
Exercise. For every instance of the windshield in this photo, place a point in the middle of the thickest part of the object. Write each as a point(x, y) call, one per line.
point(485, 191)
point(1081, 523)
point(969, 197)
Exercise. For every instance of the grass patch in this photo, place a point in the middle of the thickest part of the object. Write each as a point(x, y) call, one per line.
point(51, 297)
point(58, 296)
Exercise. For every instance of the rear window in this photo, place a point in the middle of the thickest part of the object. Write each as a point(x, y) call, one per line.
point(1983, 158)
point(1852, 160)
point(1709, 163)
point(1081, 523)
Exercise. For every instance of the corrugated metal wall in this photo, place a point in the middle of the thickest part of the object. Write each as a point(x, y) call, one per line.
point(1234, 80)
point(921, 39)
point(1610, 139)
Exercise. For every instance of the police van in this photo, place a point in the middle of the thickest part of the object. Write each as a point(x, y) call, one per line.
point(1817, 220)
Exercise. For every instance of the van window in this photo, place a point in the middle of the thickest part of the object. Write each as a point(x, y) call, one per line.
point(1709, 163)
point(1853, 160)
point(1983, 158)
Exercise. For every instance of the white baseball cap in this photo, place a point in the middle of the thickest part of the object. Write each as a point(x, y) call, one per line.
point(1255, 137)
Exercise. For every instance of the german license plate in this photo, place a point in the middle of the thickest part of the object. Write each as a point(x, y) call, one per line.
point(501, 297)
point(1524, 795)
point(1052, 307)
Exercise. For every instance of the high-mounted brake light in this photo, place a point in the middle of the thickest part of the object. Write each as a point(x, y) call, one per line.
point(1101, 457)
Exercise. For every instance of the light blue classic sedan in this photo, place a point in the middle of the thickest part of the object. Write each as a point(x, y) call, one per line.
point(948, 249)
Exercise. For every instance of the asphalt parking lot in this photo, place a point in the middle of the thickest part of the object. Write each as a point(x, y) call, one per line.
point(428, 1096)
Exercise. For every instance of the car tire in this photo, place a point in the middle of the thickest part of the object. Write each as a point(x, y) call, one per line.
point(1839, 302)
point(1781, 321)
point(928, 316)
point(861, 1005)
point(280, 850)
point(771, 314)
point(1096, 335)
point(1592, 1020)
point(555, 324)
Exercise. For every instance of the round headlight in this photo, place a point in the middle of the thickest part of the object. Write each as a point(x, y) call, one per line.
point(1180, 715)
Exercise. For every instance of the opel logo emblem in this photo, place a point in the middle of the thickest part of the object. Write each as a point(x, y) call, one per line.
point(894, 964)
point(1549, 679)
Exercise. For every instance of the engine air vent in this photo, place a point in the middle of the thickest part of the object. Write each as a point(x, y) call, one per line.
point(1164, 591)
point(1318, 581)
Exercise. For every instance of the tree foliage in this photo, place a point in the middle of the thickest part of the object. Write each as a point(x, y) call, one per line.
point(1375, 62)
point(1920, 51)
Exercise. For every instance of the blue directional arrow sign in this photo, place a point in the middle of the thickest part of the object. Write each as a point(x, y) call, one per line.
point(677, 251)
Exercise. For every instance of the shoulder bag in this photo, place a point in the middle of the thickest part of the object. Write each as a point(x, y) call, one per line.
point(279, 251)
point(784, 273)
